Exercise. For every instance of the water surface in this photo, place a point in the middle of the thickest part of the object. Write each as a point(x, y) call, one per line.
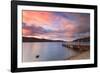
point(45, 51)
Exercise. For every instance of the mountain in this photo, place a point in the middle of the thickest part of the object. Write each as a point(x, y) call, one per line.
point(31, 39)
point(85, 39)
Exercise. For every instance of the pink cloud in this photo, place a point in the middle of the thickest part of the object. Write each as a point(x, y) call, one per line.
point(26, 32)
point(54, 26)
point(37, 18)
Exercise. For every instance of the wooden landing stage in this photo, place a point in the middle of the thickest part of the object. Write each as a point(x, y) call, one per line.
point(78, 46)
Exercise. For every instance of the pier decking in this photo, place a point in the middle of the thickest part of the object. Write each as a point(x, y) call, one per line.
point(78, 46)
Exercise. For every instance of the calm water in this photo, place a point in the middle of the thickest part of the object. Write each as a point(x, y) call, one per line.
point(45, 51)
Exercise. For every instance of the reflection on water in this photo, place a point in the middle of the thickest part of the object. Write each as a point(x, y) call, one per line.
point(45, 51)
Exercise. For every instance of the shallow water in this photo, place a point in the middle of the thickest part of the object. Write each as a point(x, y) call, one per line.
point(45, 51)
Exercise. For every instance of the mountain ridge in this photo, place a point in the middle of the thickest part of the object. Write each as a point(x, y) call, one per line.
point(32, 39)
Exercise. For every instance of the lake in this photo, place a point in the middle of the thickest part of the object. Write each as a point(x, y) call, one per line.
point(45, 51)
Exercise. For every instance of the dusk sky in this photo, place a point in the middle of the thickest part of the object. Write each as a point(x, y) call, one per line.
point(65, 26)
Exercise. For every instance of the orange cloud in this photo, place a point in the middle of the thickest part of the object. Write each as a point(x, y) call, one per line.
point(54, 25)
point(69, 26)
point(37, 18)
point(26, 32)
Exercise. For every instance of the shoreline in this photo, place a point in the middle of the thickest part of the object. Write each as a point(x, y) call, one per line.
point(82, 55)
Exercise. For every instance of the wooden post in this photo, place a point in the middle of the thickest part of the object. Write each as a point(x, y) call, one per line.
point(78, 44)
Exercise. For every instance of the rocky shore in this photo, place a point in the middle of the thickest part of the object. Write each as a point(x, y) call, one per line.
point(82, 55)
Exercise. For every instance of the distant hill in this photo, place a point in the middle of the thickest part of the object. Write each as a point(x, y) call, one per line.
point(85, 39)
point(31, 39)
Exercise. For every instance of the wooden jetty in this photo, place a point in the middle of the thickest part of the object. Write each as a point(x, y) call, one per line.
point(77, 46)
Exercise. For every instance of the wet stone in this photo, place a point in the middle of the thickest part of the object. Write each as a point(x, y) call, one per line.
point(37, 56)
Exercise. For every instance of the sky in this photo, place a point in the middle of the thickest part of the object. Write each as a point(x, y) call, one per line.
point(65, 26)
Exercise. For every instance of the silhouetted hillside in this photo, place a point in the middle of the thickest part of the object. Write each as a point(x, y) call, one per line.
point(85, 39)
point(31, 39)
